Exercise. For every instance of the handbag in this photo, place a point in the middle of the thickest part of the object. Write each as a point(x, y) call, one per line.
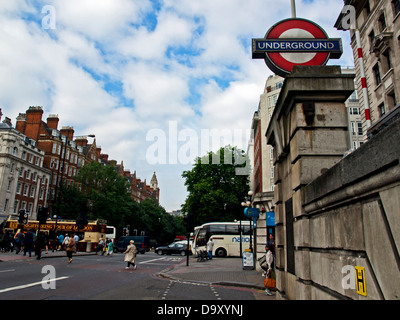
point(269, 281)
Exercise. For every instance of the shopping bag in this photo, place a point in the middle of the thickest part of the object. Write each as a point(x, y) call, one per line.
point(269, 281)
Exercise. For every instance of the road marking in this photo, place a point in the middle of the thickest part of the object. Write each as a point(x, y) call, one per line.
point(152, 260)
point(31, 284)
point(11, 270)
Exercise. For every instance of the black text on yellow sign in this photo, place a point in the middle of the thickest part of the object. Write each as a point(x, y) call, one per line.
point(360, 281)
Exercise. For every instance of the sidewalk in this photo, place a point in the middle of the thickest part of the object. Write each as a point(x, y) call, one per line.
point(12, 256)
point(218, 271)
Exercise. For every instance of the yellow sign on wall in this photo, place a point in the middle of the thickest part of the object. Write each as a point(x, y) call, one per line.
point(360, 281)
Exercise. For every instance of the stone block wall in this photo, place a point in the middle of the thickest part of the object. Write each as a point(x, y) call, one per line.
point(332, 213)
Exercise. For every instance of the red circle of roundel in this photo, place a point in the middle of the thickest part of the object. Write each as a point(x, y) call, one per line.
point(276, 31)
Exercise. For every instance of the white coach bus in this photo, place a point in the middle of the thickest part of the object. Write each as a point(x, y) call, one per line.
point(226, 236)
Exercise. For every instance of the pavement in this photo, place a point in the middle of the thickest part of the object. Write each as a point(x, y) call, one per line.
point(12, 256)
point(218, 271)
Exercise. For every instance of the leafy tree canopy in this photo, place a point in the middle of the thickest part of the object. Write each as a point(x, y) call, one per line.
point(217, 185)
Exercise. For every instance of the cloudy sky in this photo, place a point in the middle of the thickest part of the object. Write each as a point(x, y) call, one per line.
point(152, 79)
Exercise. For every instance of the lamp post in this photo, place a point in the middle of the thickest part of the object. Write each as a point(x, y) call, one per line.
point(64, 141)
point(248, 204)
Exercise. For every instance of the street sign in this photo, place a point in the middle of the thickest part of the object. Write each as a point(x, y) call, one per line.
point(294, 42)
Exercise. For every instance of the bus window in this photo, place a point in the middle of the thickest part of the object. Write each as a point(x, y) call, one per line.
point(246, 230)
point(217, 229)
point(232, 229)
point(202, 237)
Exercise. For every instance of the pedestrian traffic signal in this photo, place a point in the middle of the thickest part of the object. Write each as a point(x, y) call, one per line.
point(21, 216)
point(43, 215)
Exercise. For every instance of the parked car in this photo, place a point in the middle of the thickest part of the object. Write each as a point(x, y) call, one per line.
point(142, 243)
point(173, 248)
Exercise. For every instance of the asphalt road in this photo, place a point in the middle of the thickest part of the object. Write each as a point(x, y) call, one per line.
point(105, 278)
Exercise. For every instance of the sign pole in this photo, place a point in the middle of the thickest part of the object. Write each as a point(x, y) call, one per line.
point(293, 8)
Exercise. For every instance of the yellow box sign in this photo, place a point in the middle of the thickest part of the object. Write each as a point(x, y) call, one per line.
point(360, 281)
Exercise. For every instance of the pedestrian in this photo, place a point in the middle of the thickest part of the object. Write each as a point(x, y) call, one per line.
point(70, 248)
point(270, 279)
point(60, 242)
point(271, 240)
point(110, 248)
point(40, 244)
point(18, 240)
point(130, 255)
point(100, 247)
point(76, 238)
point(210, 247)
point(28, 243)
point(66, 241)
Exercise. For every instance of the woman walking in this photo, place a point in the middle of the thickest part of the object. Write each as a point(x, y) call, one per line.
point(130, 255)
point(70, 248)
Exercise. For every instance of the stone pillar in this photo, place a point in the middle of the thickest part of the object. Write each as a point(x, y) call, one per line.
point(308, 131)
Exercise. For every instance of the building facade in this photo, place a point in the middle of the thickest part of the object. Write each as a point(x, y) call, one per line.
point(24, 180)
point(375, 39)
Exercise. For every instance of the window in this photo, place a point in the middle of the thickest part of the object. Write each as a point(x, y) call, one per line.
point(360, 130)
point(353, 128)
point(371, 37)
point(26, 190)
point(367, 8)
point(396, 7)
point(386, 61)
point(381, 109)
point(354, 111)
point(392, 100)
point(18, 188)
point(382, 21)
point(377, 74)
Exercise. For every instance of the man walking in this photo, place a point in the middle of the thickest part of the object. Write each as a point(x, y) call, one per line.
point(210, 247)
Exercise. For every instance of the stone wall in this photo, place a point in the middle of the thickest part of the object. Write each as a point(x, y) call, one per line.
point(332, 213)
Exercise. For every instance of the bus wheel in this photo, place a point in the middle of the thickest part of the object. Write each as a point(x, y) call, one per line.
point(220, 253)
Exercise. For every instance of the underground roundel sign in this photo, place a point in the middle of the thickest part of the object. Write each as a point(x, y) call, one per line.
point(294, 42)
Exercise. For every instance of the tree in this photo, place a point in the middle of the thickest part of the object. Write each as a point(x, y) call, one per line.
point(217, 185)
point(107, 194)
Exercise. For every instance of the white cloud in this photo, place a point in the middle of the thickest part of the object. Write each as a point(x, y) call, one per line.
point(119, 68)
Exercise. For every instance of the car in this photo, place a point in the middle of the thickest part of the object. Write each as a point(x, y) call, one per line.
point(142, 243)
point(173, 248)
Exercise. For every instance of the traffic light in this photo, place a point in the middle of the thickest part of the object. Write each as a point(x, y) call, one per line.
point(43, 215)
point(188, 222)
point(82, 221)
point(21, 216)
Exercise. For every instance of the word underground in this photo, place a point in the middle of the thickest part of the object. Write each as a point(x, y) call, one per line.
point(295, 45)
point(236, 310)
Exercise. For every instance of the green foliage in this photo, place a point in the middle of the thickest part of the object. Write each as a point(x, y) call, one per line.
point(105, 195)
point(215, 189)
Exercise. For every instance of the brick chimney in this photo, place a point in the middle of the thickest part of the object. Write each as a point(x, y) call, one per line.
point(81, 141)
point(68, 131)
point(21, 123)
point(52, 121)
point(33, 121)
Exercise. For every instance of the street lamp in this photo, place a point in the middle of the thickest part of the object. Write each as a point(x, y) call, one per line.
point(248, 204)
point(64, 140)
